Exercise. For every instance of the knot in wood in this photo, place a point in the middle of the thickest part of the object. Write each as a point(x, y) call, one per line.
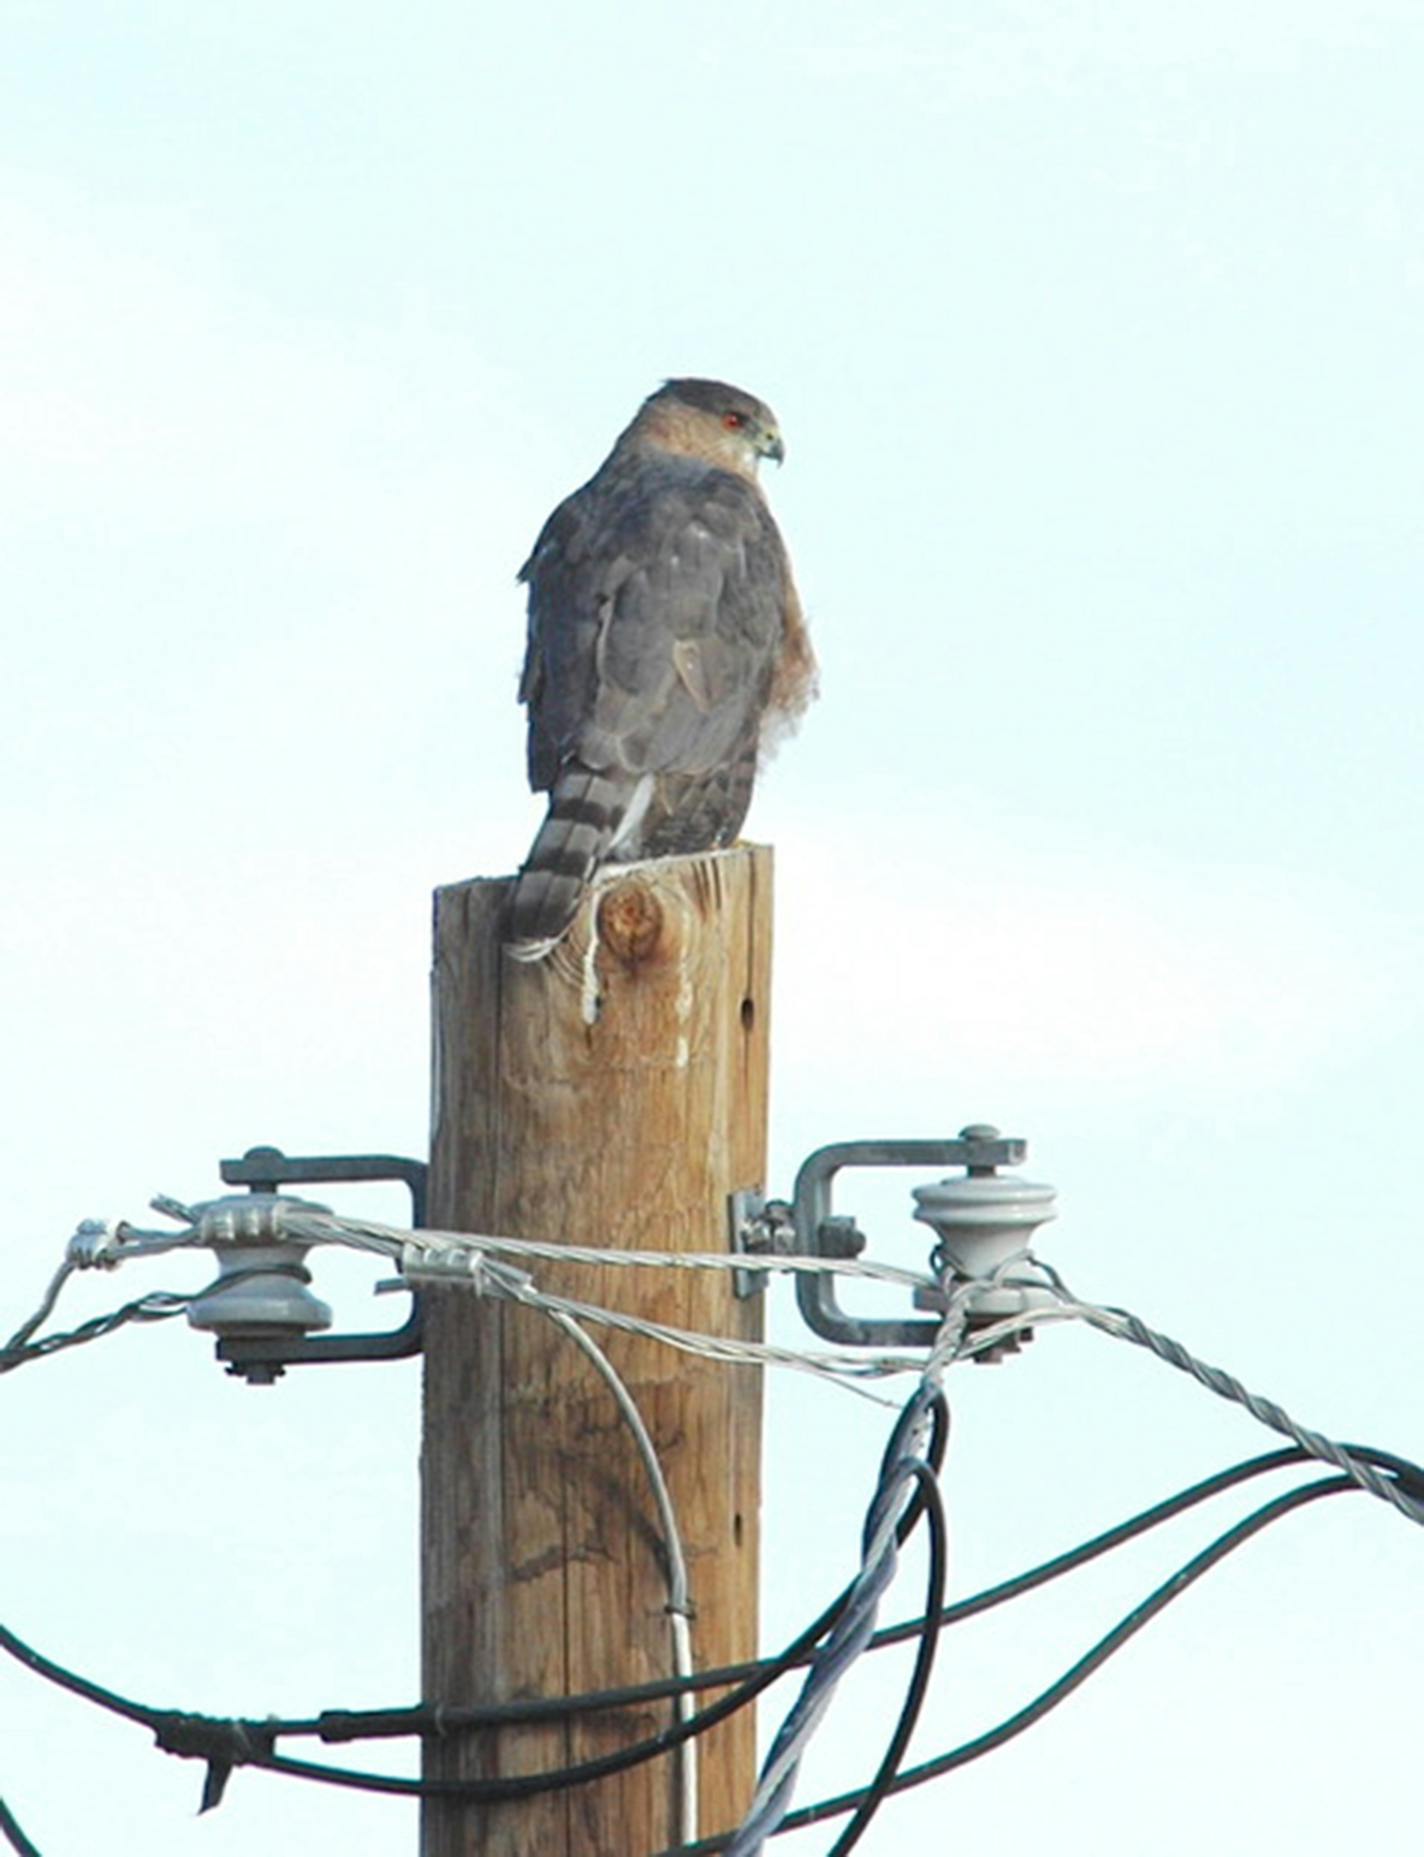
point(630, 922)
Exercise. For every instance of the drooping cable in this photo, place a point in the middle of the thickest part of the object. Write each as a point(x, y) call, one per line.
point(918, 1687)
point(1128, 1327)
point(335, 1725)
point(879, 1559)
point(14, 1834)
point(252, 1742)
point(224, 1740)
point(1112, 1641)
point(1057, 1691)
point(762, 1675)
point(238, 1742)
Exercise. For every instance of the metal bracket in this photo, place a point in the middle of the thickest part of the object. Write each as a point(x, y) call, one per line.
point(261, 1360)
point(760, 1227)
point(821, 1233)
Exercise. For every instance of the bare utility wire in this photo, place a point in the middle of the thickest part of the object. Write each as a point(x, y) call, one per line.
point(466, 1257)
point(684, 1754)
point(1125, 1326)
point(472, 1261)
point(98, 1244)
point(41, 1315)
point(904, 1457)
point(394, 1240)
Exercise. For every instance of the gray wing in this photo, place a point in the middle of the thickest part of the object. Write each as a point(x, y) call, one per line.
point(656, 599)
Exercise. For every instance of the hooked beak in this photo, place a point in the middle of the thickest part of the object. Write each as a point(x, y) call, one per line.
point(772, 447)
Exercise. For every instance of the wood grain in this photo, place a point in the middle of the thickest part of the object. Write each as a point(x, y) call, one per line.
point(608, 1096)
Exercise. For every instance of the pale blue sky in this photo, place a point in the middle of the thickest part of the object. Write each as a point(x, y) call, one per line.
point(1095, 335)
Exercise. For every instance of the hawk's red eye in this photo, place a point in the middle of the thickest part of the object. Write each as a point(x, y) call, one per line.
point(732, 421)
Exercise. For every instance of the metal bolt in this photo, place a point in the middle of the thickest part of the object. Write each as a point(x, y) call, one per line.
point(979, 1131)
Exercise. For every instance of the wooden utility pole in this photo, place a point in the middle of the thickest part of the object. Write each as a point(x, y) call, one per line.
point(613, 1097)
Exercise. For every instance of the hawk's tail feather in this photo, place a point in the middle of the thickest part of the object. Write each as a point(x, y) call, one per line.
point(588, 813)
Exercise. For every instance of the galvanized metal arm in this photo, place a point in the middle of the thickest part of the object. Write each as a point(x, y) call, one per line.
point(980, 1218)
point(262, 1358)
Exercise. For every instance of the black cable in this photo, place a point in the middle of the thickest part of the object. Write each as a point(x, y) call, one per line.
point(887, 1781)
point(996, 1737)
point(227, 1743)
point(924, 1663)
point(1113, 1641)
point(897, 1489)
point(77, 1685)
point(1058, 1691)
point(1409, 1475)
point(169, 1723)
point(16, 1838)
point(336, 1725)
point(520, 1786)
point(156, 1306)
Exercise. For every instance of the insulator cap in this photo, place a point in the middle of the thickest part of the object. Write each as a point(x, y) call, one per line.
point(982, 1221)
point(261, 1287)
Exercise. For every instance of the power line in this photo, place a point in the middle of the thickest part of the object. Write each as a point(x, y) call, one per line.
point(1128, 1327)
point(357, 1725)
point(906, 1493)
point(918, 1687)
point(899, 1476)
point(1049, 1699)
point(225, 1743)
point(679, 1603)
point(156, 1306)
point(14, 1835)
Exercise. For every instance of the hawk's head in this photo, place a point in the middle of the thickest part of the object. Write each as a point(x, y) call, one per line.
point(709, 419)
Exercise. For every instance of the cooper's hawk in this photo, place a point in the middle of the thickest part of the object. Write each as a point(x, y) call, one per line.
point(666, 649)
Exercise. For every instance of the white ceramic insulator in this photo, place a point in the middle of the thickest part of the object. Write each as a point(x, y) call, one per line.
point(264, 1299)
point(983, 1220)
point(255, 1292)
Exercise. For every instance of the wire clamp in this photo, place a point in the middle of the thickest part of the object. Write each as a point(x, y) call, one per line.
point(223, 1744)
point(469, 1267)
point(97, 1244)
point(759, 1227)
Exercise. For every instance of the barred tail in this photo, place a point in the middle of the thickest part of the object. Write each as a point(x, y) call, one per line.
point(588, 813)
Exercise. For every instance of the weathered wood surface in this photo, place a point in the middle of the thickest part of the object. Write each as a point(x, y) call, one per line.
point(613, 1098)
